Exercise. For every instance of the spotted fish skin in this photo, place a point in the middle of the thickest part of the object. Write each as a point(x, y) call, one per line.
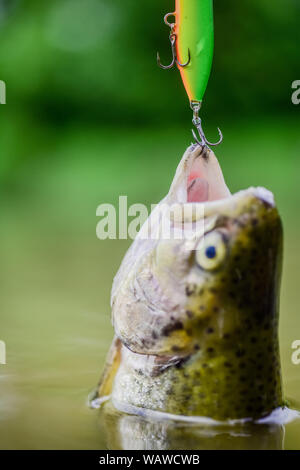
point(200, 339)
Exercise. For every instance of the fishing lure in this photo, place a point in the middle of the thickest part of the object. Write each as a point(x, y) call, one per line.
point(192, 37)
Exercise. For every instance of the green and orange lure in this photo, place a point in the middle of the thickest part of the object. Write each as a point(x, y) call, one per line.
point(192, 42)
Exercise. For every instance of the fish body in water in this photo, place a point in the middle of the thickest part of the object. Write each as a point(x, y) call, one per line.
point(196, 317)
point(124, 431)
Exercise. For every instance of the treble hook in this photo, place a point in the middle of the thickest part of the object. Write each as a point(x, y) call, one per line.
point(195, 105)
point(173, 38)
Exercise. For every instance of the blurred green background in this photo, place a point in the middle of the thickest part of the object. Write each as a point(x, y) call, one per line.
point(89, 117)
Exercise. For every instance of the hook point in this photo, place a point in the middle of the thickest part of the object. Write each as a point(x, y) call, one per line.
point(204, 141)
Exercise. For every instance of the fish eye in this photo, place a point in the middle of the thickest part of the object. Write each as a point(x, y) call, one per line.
point(211, 251)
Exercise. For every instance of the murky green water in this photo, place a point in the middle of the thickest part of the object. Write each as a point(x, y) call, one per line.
point(55, 282)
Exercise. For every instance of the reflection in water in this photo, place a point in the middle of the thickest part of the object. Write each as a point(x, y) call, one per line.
point(132, 432)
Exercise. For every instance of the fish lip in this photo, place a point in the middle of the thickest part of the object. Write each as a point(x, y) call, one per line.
point(252, 193)
point(266, 196)
point(234, 205)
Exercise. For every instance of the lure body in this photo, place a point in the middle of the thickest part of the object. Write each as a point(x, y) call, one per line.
point(194, 30)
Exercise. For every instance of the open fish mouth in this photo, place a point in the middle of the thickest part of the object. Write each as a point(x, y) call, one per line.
point(205, 181)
